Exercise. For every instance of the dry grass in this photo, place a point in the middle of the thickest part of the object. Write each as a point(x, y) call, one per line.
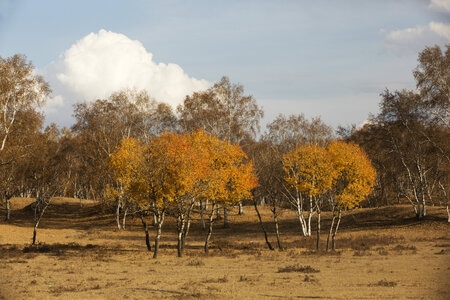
point(81, 255)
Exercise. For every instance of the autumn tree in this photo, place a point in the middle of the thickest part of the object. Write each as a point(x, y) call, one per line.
point(230, 177)
point(354, 181)
point(282, 135)
point(225, 112)
point(310, 172)
point(173, 170)
point(126, 163)
point(158, 176)
point(184, 169)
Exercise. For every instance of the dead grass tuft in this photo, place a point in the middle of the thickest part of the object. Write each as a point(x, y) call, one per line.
point(56, 249)
point(366, 242)
point(300, 269)
point(382, 251)
point(362, 253)
point(12, 252)
point(400, 248)
point(223, 279)
point(196, 263)
point(384, 283)
point(310, 278)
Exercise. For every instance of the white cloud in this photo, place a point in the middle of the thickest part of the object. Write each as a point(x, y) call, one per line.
point(416, 38)
point(104, 62)
point(440, 5)
point(441, 29)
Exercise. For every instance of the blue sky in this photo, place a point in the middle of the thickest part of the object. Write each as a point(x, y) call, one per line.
point(322, 58)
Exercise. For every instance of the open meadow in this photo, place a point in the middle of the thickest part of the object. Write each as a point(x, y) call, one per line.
point(382, 253)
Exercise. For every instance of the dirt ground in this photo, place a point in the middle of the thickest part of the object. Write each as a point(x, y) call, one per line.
point(383, 253)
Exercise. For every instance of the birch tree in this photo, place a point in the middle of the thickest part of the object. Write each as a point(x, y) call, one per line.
point(354, 181)
point(230, 178)
point(225, 111)
point(20, 89)
point(310, 172)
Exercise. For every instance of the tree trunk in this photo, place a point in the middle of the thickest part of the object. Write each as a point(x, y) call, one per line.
point(180, 228)
point(210, 228)
point(188, 225)
point(444, 192)
point(310, 214)
point(277, 230)
point(159, 223)
point(331, 229)
point(202, 214)
point(118, 214)
point(147, 236)
point(226, 222)
point(241, 209)
point(300, 216)
point(38, 217)
point(124, 217)
point(448, 213)
point(318, 230)
point(262, 225)
point(8, 208)
point(218, 214)
point(333, 237)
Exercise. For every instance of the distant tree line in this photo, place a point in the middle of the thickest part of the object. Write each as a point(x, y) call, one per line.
point(139, 156)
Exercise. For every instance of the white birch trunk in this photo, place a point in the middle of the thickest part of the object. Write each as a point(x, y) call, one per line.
point(302, 221)
point(118, 214)
point(124, 217)
point(310, 214)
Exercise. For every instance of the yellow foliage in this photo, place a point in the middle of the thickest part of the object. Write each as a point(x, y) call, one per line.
point(310, 169)
point(126, 161)
point(356, 175)
point(342, 167)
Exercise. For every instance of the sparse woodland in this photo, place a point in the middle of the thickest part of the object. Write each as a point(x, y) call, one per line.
point(140, 157)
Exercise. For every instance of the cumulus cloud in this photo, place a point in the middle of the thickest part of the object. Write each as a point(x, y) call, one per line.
point(440, 5)
point(416, 38)
point(104, 62)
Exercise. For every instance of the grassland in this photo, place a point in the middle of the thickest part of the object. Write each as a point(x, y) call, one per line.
point(383, 253)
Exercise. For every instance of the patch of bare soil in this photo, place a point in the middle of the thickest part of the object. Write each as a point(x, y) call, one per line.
point(383, 253)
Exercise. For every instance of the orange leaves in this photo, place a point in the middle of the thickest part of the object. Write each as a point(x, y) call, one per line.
point(228, 174)
point(178, 166)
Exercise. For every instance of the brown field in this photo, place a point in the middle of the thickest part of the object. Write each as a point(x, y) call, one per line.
point(383, 253)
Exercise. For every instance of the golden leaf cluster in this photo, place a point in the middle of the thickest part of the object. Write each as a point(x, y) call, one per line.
point(174, 166)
